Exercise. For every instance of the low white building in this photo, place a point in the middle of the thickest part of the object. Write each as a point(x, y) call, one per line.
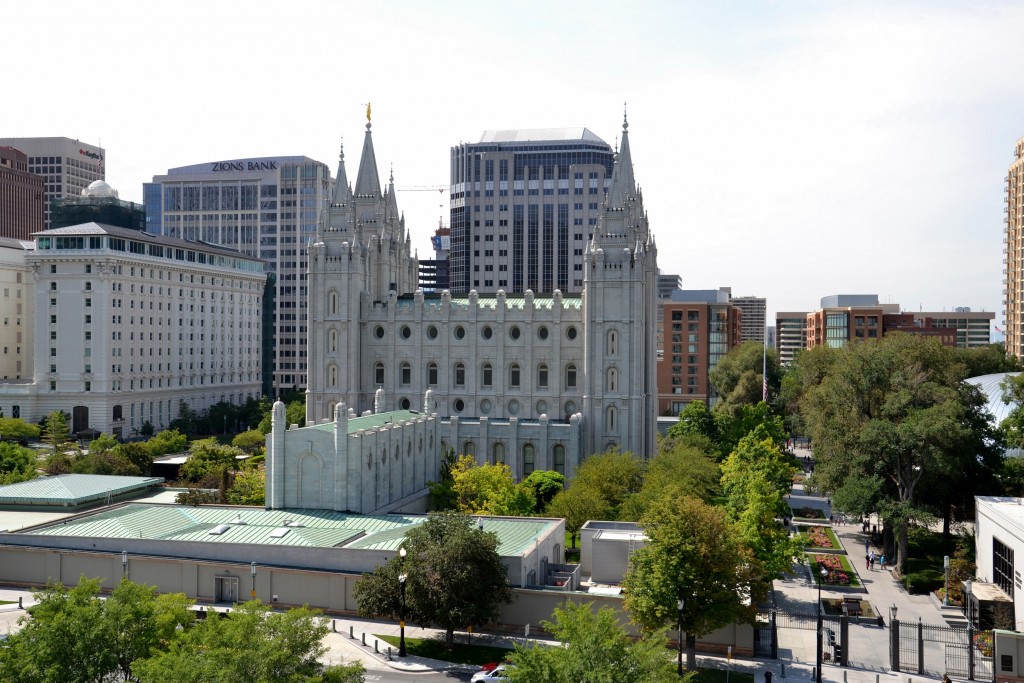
point(128, 326)
point(999, 539)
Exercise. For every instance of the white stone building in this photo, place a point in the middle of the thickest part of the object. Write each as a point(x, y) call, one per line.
point(15, 312)
point(537, 380)
point(129, 325)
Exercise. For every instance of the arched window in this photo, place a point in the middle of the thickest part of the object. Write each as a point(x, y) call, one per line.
point(613, 379)
point(558, 458)
point(613, 342)
point(570, 376)
point(469, 448)
point(486, 375)
point(432, 374)
point(378, 373)
point(406, 374)
point(611, 419)
point(460, 375)
point(332, 375)
point(332, 344)
point(498, 454)
point(542, 376)
point(529, 458)
point(513, 375)
point(333, 303)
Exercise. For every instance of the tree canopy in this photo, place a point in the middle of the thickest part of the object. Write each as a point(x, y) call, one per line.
point(455, 576)
point(738, 375)
point(488, 489)
point(16, 463)
point(595, 649)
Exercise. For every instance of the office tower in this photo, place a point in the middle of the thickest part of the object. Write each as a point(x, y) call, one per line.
point(524, 205)
point(701, 327)
point(67, 166)
point(790, 334)
point(754, 311)
point(1013, 252)
point(266, 207)
point(434, 275)
point(21, 196)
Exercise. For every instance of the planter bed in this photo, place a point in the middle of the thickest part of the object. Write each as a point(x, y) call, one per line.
point(826, 531)
point(844, 567)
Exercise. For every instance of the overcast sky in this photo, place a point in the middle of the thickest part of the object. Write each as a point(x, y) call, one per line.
point(788, 149)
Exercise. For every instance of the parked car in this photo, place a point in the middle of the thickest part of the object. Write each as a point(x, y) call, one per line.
point(495, 674)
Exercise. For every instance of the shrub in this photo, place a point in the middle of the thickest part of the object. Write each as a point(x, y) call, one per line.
point(923, 581)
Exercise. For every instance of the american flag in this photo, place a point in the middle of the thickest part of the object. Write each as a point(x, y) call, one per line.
point(764, 372)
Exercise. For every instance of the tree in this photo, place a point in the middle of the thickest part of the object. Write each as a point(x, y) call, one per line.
point(250, 441)
point(147, 429)
point(578, 504)
point(890, 413)
point(613, 474)
point(695, 418)
point(442, 492)
point(543, 485)
point(208, 459)
point(679, 467)
point(488, 489)
point(756, 459)
point(737, 377)
point(595, 649)
point(248, 488)
point(72, 635)
point(16, 429)
point(695, 554)
point(165, 442)
point(455, 576)
point(56, 433)
point(16, 463)
point(252, 643)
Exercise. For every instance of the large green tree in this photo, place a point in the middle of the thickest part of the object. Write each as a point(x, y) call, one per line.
point(694, 554)
point(680, 467)
point(16, 429)
point(738, 376)
point(595, 648)
point(888, 415)
point(543, 486)
point(455, 576)
point(578, 504)
point(16, 463)
point(488, 489)
point(614, 474)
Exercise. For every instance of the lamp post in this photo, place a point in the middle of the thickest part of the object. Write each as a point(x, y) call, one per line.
point(124, 564)
point(817, 675)
point(968, 586)
point(401, 614)
point(679, 622)
point(252, 571)
point(945, 594)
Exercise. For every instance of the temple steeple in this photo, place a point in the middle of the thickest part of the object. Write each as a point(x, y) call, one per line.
point(368, 182)
point(623, 186)
point(342, 192)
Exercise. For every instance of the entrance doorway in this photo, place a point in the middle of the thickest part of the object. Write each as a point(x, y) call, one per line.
point(225, 589)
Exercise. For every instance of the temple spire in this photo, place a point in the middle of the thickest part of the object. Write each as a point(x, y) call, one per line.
point(342, 192)
point(367, 181)
point(623, 185)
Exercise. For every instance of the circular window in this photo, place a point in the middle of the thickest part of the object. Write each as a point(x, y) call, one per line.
point(571, 333)
point(513, 407)
point(406, 332)
point(432, 332)
point(570, 407)
point(485, 406)
point(542, 332)
point(378, 332)
point(487, 332)
point(460, 332)
point(513, 332)
point(404, 404)
point(459, 405)
point(542, 407)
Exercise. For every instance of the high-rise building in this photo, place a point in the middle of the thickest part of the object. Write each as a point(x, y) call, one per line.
point(973, 328)
point(536, 380)
point(668, 283)
point(21, 196)
point(434, 274)
point(790, 334)
point(67, 166)
point(265, 207)
point(754, 311)
point(1013, 253)
point(16, 308)
point(98, 203)
point(700, 327)
point(524, 205)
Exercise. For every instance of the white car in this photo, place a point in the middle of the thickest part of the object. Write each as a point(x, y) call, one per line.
point(495, 674)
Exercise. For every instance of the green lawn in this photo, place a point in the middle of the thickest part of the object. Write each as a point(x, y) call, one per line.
point(7, 602)
point(836, 545)
point(815, 570)
point(461, 653)
point(718, 676)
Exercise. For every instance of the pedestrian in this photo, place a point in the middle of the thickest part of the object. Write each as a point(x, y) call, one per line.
point(881, 561)
point(867, 561)
point(871, 558)
point(867, 546)
point(946, 678)
point(767, 677)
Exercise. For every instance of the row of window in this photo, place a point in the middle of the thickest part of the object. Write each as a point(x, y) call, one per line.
point(486, 332)
point(459, 375)
point(527, 455)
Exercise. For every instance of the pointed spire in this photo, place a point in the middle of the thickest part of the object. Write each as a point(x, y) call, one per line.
point(367, 181)
point(623, 185)
point(342, 192)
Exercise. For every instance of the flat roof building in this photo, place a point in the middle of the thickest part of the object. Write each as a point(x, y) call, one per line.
point(754, 312)
point(21, 196)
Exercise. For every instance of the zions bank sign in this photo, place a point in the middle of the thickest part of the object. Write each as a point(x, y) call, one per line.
point(238, 166)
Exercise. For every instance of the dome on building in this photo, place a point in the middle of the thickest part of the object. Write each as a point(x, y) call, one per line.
point(990, 386)
point(99, 188)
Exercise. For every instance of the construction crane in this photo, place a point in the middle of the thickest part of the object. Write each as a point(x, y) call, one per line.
point(423, 188)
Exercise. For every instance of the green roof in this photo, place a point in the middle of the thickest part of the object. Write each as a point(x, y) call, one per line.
point(373, 421)
point(311, 528)
point(70, 490)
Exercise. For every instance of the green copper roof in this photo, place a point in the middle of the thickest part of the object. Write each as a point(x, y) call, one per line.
point(370, 421)
point(72, 489)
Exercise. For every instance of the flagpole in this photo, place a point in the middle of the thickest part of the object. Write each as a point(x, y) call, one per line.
point(764, 367)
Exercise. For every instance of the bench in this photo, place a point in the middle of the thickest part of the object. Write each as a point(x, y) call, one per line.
point(852, 607)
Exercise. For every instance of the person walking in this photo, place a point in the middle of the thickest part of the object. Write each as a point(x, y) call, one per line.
point(881, 561)
point(867, 561)
point(871, 560)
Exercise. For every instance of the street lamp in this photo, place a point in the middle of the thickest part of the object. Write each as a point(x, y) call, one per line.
point(679, 606)
point(945, 594)
point(968, 586)
point(817, 675)
point(124, 564)
point(401, 615)
point(252, 571)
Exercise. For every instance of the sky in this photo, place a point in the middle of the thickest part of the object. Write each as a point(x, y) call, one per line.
point(789, 149)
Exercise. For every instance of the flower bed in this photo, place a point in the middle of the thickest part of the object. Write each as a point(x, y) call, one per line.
point(839, 571)
point(808, 513)
point(822, 537)
point(983, 641)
